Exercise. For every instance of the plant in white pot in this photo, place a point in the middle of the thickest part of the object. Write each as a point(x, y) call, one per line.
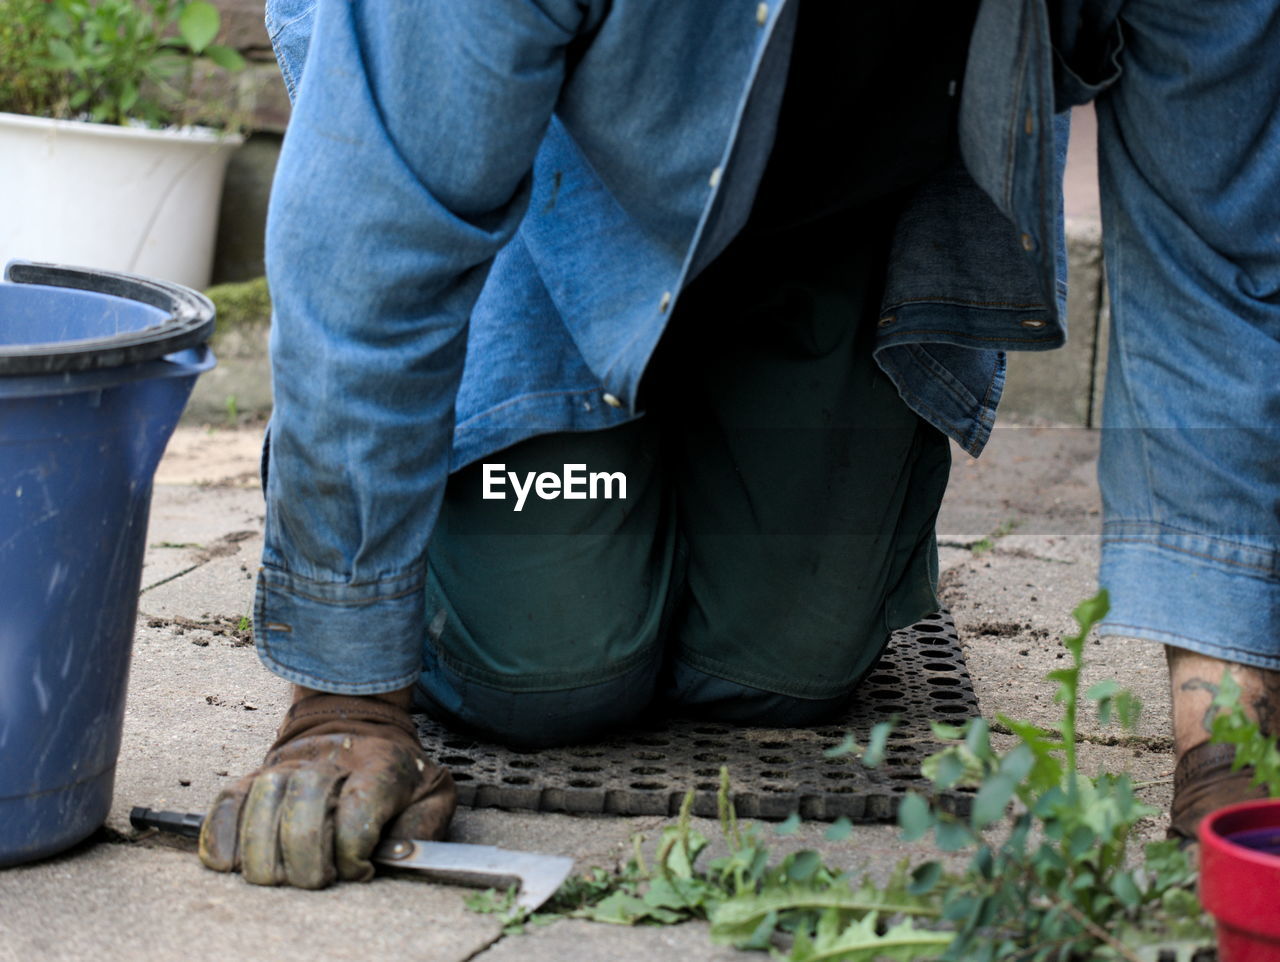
point(101, 162)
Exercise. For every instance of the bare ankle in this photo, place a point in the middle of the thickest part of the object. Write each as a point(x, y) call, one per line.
point(1194, 681)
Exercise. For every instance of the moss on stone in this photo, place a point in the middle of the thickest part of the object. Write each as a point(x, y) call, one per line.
point(240, 305)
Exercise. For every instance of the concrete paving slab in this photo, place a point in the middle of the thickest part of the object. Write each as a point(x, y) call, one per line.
point(139, 903)
point(190, 526)
point(1033, 500)
point(950, 555)
point(202, 514)
point(1012, 611)
point(170, 560)
point(578, 939)
point(1029, 480)
point(201, 711)
point(1066, 549)
point(200, 455)
point(220, 587)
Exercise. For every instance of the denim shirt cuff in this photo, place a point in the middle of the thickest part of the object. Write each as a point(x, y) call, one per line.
point(352, 639)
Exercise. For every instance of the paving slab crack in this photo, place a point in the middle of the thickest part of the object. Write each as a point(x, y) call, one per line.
point(1025, 555)
point(172, 577)
point(1151, 743)
point(485, 947)
point(228, 544)
point(221, 547)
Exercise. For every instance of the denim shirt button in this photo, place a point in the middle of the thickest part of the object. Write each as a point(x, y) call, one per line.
point(611, 400)
point(665, 302)
point(1032, 322)
point(886, 321)
point(715, 177)
point(762, 14)
point(1028, 242)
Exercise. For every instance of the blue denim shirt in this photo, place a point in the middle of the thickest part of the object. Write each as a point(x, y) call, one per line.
point(483, 216)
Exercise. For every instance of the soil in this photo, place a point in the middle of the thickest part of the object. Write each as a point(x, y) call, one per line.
point(998, 629)
point(217, 625)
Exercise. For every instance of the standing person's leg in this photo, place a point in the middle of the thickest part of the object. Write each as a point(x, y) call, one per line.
point(806, 489)
point(1190, 169)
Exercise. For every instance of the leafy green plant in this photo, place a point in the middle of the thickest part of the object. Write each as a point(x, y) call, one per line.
point(1063, 883)
point(24, 39)
point(750, 901)
point(1052, 873)
point(109, 61)
point(1231, 726)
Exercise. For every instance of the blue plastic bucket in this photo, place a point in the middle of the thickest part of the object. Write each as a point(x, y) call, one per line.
point(95, 369)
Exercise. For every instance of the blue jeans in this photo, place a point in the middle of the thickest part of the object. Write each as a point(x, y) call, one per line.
point(1189, 150)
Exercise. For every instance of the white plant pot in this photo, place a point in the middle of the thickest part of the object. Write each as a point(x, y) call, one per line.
point(114, 198)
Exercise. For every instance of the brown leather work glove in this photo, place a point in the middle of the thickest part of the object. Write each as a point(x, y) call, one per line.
point(342, 768)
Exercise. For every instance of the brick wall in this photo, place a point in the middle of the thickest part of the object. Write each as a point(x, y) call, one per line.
point(260, 84)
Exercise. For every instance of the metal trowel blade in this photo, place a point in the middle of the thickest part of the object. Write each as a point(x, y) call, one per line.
point(483, 866)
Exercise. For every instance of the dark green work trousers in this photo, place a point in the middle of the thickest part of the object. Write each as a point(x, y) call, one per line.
point(778, 523)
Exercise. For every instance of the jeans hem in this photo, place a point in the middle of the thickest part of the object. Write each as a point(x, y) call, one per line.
point(1165, 593)
point(1237, 556)
point(1113, 629)
point(309, 680)
point(344, 648)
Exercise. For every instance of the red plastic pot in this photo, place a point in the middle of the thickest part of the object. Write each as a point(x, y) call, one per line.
point(1240, 879)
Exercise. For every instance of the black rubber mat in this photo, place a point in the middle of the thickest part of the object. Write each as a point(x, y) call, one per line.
point(920, 678)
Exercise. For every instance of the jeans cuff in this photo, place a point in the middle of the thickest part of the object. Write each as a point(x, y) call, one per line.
point(1197, 600)
point(347, 639)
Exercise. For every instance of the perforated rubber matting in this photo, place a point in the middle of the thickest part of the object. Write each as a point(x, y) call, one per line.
point(921, 677)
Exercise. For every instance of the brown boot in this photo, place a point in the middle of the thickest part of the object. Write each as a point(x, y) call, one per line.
point(1204, 782)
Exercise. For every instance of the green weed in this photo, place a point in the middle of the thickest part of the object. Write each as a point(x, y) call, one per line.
point(1052, 872)
point(983, 545)
point(1230, 725)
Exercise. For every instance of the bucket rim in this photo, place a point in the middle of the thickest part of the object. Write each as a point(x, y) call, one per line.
point(189, 321)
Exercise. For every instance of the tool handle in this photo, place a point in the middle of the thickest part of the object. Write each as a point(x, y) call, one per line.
point(177, 823)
